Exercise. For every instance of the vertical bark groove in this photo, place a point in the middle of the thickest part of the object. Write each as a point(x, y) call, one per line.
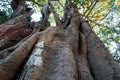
point(84, 72)
point(98, 56)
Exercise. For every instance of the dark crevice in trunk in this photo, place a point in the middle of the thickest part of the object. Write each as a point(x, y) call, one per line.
point(97, 56)
point(81, 31)
point(90, 68)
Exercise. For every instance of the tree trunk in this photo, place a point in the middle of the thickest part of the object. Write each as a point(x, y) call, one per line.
point(10, 34)
point(68, 51)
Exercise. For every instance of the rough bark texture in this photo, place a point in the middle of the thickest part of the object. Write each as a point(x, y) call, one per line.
point(12, 63)
point(18, 7)
point(101, 62)
point(82, 62)
point(68, 51)
point(11, 34)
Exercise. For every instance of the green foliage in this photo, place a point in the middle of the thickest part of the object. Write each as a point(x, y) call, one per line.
point(109, 28)
point(103, 16)
point(3, 17)
point(5, 10)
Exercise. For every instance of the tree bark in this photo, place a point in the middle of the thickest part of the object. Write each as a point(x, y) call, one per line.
point(68, 51)
point(10, 65)
point(11, 34)
point(102, 64)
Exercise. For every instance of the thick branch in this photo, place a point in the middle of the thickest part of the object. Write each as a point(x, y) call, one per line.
point(10, 65)
point(22, 19)
point(45, 15)
point(11, 34)
point(18, 7)
point(72, 32)
point(35, 61)
point(101, 62)
point(84, 72)
point(56, 16)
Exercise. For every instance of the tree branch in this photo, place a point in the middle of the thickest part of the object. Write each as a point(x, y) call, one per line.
point(60, 4)
point(91, 9)
point(56, 16)
point(37, 3)
point(45, 15)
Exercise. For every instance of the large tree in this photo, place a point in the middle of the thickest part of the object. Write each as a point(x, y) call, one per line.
point(68, 51)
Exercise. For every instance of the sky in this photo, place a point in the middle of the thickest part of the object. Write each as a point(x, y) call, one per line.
point(36, 17)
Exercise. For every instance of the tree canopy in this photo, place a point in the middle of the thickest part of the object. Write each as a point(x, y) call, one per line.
point(103, 16)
